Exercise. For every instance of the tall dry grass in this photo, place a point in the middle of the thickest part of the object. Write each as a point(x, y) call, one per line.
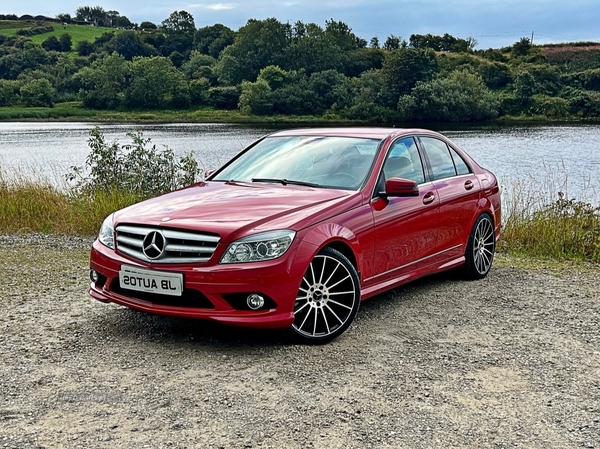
point(542, 220)
point(38, 205)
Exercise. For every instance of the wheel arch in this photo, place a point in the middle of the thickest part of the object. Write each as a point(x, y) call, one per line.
point(345, 249)
point(338, 237)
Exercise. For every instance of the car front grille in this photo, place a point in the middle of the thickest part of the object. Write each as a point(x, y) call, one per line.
point(163, 245)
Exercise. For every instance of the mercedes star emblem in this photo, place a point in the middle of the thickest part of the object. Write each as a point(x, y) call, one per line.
point(154, 245)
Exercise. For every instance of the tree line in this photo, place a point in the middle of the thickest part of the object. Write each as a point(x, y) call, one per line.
point(267, 67)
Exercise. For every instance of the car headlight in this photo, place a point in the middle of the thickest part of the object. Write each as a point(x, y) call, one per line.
point(254, 248)
point(106, 236)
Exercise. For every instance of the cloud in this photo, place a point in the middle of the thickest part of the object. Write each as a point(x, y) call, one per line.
point(220, 6)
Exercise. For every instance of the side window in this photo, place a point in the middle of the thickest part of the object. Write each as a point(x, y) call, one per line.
point(439, 157)
point(461, 166)
point(404, 161)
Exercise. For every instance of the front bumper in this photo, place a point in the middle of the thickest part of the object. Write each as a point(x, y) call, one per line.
point(211, 292)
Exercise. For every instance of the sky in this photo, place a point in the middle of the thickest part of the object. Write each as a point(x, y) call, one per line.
point(493, 23)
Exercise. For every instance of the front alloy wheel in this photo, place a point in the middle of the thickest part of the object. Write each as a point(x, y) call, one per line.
point(480, 248)
point(328, 298)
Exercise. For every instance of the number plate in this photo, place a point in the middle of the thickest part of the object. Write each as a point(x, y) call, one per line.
point(151, 281)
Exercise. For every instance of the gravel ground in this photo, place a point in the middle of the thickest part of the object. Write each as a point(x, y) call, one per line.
point(509, 361)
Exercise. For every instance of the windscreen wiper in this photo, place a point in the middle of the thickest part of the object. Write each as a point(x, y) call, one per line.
point(285, 182)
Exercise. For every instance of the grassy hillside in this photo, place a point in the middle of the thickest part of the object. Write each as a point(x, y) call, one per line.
point(77, 32)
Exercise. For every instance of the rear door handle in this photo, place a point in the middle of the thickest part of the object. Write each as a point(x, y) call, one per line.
point(468, 184)
point(428, 198)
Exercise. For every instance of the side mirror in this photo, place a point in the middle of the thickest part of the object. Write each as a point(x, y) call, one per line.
point(207, 173)
point(401, 187)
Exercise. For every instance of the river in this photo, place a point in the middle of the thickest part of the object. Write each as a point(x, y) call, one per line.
point(555, 158)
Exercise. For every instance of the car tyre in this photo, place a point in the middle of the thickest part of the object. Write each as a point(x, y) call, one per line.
point(480, 248)
point(327, 300)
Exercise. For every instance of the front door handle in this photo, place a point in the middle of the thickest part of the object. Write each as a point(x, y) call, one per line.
point(468, 184)
point(428, 198)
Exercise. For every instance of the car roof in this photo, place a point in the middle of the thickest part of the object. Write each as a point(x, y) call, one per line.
point(366, 132)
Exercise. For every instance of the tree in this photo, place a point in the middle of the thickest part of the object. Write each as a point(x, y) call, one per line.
point(123, 22)
point(392, 42)
point(180, 29)
point(194, 66)
point(403, 68)
point(255, 98)
point(51, 44)
point(146, 26)
point(95, 14)
point(442, 43)
point(64, 18)
point(330, 88)
point(522, 47)
point(9, 92)
point(211, 40)
point(156, 83)
point(84, 48)
point(274, 76)
point(37, 92)
point(374, 42)
point(65, 42)
point(199, 91)
point(363, 59)
point(179, 22)
point(129, 45)
point(102, 84)
point(257, 44)
point(21, 56)
point(226, 97)
point(343, 36)
point(312, 50)
point(462, 96)
point(524, 87)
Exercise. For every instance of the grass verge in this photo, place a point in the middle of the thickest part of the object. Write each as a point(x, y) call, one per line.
point(38, 206)
point(563, 229)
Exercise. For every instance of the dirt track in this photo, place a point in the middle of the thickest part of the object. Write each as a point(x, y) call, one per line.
point(510, 361)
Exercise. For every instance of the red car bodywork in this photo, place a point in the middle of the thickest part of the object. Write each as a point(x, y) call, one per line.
point(389, 240)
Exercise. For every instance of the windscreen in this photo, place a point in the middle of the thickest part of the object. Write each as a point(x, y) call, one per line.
point(333, 162)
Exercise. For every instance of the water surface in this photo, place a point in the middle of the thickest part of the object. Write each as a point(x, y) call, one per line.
point(559, 158)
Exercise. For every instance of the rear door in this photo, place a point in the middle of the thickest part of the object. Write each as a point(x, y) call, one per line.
point(458, 191)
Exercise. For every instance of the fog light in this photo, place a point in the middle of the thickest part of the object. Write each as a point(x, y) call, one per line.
point(94, 276)
point(255, 301)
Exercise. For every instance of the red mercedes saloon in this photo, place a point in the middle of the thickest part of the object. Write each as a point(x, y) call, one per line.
point(300, 227)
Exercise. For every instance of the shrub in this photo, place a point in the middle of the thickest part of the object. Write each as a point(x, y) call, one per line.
point(462, 96)
point(35, 31)
point(551, 107)
point(136, 169)
point(226, 97)
point(38, 92)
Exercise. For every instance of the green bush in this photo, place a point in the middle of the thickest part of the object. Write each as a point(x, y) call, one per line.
point(132, 169)
point(226, 97)
point(35, 31)
point(37, 92)
point(551, 107)
point(462, 96)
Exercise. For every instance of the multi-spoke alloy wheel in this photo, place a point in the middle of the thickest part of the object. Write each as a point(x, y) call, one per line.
point(480, 249)
point(328, 298)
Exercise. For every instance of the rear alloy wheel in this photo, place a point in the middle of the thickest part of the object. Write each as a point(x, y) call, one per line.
point(327, 300)
point(480, 248)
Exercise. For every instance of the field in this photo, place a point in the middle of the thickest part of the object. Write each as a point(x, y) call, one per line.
point(77, 32)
